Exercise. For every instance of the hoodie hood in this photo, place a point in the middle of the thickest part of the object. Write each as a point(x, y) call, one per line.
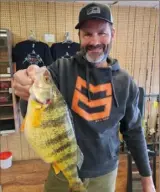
point(90, 69)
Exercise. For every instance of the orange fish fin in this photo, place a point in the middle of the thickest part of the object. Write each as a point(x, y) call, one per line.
point(37, 116)
point(23, 125)
point(56, 168)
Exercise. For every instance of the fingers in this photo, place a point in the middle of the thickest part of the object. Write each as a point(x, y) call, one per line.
point(31, 71)
point(21, 90)
point(22, 78)
point(21, 84)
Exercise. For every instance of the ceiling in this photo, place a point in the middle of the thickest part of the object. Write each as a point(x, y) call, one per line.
point(153, 4)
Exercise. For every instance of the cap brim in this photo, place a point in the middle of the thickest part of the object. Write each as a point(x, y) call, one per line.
point(93, 17)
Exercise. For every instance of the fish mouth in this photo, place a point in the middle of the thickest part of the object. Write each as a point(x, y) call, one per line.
point(47, 101)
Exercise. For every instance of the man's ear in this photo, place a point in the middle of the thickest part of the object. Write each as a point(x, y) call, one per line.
point(113, 33)
point(79, 36)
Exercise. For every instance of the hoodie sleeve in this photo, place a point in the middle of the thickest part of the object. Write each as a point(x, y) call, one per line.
point(54, 70)
point(133, 134)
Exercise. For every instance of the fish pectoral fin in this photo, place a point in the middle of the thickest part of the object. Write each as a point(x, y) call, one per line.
point(23, 125)
point(80, 157)
point(56, 168)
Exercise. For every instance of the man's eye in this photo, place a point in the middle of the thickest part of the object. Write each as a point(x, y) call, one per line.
point(87, 35)
point(102, 34)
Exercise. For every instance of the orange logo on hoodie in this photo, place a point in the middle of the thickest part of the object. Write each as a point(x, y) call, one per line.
point(105, 103)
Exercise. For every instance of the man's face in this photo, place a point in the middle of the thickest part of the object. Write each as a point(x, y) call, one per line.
point(94, 36)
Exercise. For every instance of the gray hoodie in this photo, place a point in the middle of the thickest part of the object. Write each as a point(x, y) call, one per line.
point(102, 101)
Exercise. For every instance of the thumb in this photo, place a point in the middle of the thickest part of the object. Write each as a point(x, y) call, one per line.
point(31, 71)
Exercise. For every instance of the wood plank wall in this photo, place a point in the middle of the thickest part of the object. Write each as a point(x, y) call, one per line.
point(136, 44)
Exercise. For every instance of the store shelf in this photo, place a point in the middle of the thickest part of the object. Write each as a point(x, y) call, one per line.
point(6, 117)
point(6, 105)
point(4, 91)
point(3, 133)
point(9, 106)
point(3, 78)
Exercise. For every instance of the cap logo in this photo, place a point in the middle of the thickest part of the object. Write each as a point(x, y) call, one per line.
point(93, 10)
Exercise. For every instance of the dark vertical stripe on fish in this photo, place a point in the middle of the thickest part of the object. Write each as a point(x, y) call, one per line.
point(60, 137)
point(71, 167)
point(55, 122)
point(67, 156)
point(68, 144)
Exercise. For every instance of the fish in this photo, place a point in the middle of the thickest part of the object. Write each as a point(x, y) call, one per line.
point(49, 129)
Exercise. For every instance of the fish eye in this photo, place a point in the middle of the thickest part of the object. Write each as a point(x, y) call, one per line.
point(47, 79)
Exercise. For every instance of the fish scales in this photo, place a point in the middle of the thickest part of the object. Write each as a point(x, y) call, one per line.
point(49, 129)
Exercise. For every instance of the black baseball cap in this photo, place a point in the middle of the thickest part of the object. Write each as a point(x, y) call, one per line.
point(94, 10)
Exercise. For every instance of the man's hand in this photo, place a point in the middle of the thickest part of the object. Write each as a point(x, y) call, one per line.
point(147, 184)
point(23, 80)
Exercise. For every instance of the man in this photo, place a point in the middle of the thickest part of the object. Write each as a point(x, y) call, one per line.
point(100, 96)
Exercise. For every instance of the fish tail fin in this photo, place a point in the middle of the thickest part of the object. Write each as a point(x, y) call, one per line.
point(77, 186)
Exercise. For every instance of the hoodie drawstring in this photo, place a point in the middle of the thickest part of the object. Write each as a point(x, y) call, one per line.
point(113, 89)
point(87, 80)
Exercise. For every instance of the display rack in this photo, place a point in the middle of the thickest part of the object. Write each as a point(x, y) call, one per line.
point(9, 111)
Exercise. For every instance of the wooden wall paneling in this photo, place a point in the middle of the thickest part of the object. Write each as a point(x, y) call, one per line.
point(130, 40)
point(30, 18)
point(69, 19)
point(115, 17)
point(144, 50)
point(150, 49)
point(76, 9)
point(22, 20)
point(141, 63)
point(134, 43)
point(155, 59)
point(41, 18)
point(14, 145)
point(32, 154)
point(5, 21)
point(51, 19)
point(112, 54)
point(154, 72)
point(15, 24)
point(24, 147)
point(3, 143)
point(137, 44)
point(60, 21)
point(121, 44)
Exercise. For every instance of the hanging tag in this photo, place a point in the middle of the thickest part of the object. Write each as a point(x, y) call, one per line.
point(10, 90)
point(8, 70)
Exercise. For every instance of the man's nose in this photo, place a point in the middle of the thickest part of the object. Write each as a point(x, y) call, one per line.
point(94, 39)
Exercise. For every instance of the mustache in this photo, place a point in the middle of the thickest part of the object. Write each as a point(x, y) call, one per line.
point(92, 47)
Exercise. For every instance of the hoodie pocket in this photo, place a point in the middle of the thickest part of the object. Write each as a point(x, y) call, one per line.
point(97, 151)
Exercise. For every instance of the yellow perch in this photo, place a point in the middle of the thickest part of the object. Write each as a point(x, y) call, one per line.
point(49, 129)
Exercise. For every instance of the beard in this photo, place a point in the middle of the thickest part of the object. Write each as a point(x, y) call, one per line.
point(96, 54)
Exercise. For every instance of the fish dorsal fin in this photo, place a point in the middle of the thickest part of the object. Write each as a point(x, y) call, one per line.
point(80, 157)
